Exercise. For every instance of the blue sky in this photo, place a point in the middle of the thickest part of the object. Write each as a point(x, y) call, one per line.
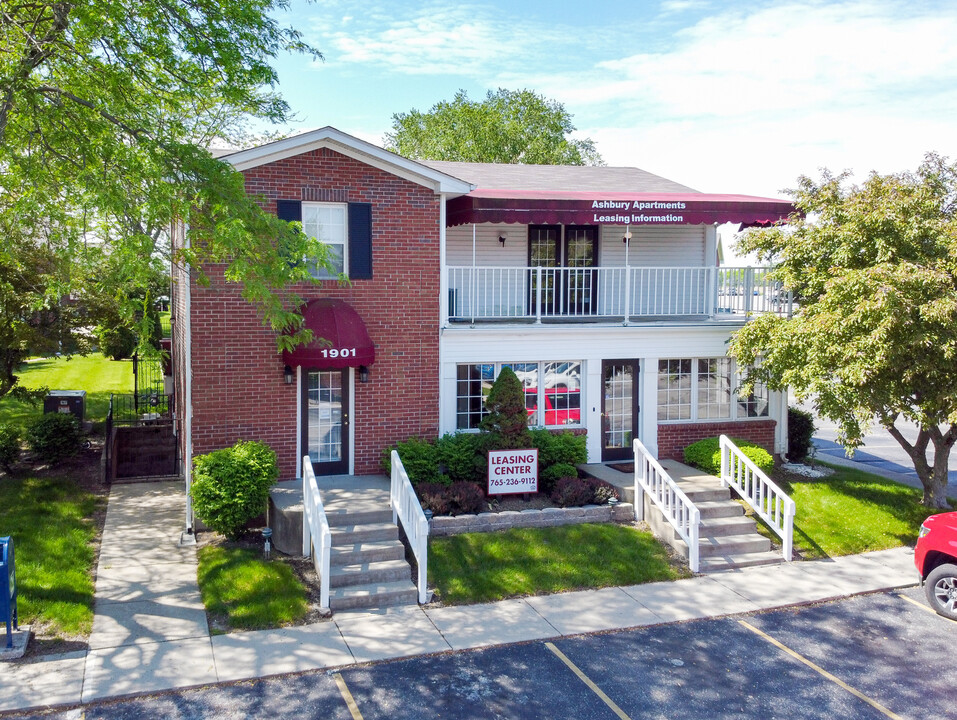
point(723, 96)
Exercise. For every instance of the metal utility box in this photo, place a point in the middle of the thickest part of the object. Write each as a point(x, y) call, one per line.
point(8, 588)
point(72, 402)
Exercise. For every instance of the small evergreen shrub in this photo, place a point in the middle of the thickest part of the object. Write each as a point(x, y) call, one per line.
point(54, 436)
point(459, 454)
point(231, 486)
point(706, 454)
point(800, 430)
point(465, 498)
point(9, 445)
point(602, 491)
point(552, 474)
point(507, 418)
point(435, 497)
point(571, 492)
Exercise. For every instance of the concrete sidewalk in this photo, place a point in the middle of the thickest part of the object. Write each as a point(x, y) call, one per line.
point(150, 631)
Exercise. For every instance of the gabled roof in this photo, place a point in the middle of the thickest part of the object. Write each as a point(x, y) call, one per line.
point(558, 177)
point(353, 147)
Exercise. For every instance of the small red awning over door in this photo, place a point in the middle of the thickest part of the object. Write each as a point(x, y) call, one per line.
point(348, 342)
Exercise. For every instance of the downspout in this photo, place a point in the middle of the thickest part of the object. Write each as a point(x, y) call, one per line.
point(444, 308)
point(188, 535)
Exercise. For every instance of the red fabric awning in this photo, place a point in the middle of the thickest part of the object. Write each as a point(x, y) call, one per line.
point(348, 342)
point(533, 207)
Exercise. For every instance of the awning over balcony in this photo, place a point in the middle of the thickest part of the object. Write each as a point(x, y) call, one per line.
point(337, 322)
point(547, 207)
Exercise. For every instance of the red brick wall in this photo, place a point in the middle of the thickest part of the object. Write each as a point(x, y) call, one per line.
point(674, 438)
point(238, 388)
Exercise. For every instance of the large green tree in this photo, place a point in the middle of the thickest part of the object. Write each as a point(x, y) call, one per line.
point(874, 338)
point(508, 126)
point(106, 109)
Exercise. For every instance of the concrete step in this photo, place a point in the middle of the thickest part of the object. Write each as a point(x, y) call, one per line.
point(374, 595)
point(732, 545)
point(351, 534)
point(343, 517)
point(717, 563)
point(699, 492)
point(381, 571)
point(719, 509)
point(723, 526)
point(366, 552)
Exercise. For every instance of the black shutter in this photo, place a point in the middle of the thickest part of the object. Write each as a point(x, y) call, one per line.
point(360, 241)
point(289, 210)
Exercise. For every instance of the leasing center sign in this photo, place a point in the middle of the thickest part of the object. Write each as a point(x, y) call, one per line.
point(512, 471)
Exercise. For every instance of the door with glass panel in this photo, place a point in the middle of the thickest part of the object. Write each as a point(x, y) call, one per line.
point(581, 279)
point(619, 408)
point(544, 251)
point(326, 426)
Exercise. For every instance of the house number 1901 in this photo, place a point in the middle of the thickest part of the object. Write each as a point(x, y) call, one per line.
point(337, 353)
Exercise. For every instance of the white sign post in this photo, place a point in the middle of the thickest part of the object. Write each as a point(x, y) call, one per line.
point(512, 472)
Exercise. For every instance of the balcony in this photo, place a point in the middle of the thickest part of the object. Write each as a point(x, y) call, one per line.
point(624, 294)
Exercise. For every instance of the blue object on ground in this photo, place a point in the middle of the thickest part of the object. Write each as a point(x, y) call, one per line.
point(8, 587)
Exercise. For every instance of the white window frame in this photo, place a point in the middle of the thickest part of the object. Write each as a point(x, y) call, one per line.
point(541, 408)
point(310, 227)
point(737, 414)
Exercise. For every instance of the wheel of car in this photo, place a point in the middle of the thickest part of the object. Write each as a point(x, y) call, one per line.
point(941, 590)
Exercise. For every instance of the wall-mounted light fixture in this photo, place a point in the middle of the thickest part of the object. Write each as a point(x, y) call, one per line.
point(502, 239)
point(627, 236)
point(287, 375)
point(363, 374)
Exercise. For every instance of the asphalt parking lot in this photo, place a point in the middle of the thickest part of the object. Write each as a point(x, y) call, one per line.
point(884, 655)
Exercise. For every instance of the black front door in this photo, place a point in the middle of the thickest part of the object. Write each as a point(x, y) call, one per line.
point(326, 420)
point(619, 408)
point(568, 257)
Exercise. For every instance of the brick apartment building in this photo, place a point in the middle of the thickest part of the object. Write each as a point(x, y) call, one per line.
point(599, 286)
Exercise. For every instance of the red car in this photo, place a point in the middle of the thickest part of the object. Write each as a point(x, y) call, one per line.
point(562, 406)
point(936, 560)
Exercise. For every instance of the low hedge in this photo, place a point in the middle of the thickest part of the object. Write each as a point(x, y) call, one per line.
point(706, 454)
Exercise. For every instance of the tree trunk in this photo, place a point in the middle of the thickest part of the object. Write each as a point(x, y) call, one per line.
point(933, 477)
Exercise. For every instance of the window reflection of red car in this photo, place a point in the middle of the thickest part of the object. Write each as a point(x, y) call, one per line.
point(562, 406)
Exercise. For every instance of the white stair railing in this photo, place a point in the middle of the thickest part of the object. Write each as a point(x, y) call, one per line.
point(677, 508)
point(760, 492)
point(315, 527)
point(407, 509)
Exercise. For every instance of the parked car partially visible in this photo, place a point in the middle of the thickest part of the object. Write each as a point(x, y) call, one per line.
point(936, 560)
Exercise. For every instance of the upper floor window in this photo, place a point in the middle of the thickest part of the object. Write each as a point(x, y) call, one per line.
point(327, 223)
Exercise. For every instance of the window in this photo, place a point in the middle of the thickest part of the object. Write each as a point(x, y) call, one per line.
point(327, 223)
point(714, 388)
point(705, 389)
point(674, 389)
point(553, 401)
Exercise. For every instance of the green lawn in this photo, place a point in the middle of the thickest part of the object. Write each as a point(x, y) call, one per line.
point(483, 567)
point(94, 373)
point(244, 592)
point(51, 522)
point(852, 512)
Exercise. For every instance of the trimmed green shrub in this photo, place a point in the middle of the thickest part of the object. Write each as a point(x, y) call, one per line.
point(571, 492)
point(116, 343)
point(465, 498)
point(54, 436)
point(706, 454)
point(9, 445)
point(419, 457)
point(548, 477)
point(800, 430)
point(231, 486)
point(459, 453)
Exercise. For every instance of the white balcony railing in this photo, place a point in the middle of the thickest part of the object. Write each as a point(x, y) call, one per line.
point(627, 293)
